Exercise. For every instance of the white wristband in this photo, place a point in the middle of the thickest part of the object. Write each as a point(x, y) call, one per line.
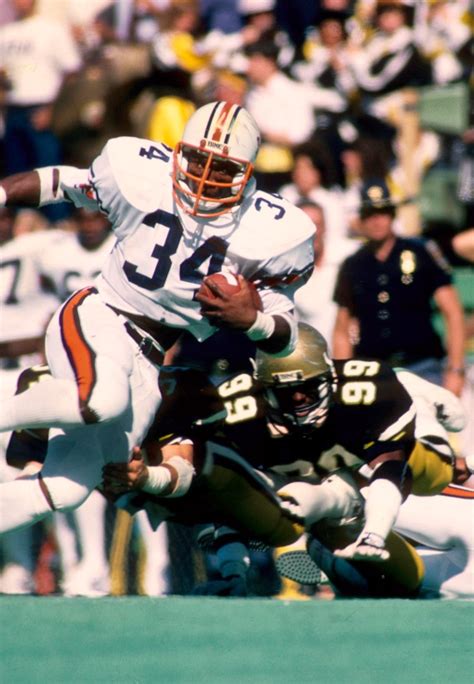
point(262, 328)
point(3, 196)
point(50, 191)
point(159, 479)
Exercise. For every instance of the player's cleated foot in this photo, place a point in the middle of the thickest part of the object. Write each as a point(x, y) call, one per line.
point(368, 547)
point(16, 580)
point(298, 566)
point(291, 591)
point(80, 582)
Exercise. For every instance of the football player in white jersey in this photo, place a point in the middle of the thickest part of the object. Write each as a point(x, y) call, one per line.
point(177, 216)
point(86, 247)
point(25, 312)
point(25, 307)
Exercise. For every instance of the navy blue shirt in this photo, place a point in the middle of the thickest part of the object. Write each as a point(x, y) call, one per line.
point(393, 300)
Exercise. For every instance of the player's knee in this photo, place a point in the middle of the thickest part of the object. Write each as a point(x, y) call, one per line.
point(63, 494)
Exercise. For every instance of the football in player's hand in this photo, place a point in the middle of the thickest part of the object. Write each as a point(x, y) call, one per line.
point(228, 284)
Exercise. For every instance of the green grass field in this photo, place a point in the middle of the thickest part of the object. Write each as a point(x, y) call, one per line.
point(193, 640)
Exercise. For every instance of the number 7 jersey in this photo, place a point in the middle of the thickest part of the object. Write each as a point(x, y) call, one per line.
point(162, 254)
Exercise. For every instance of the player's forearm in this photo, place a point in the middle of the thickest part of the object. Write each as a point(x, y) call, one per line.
point(41, 186)
point(341, 342)
point(13, 348)
point(20, 190)
point(173, 477)
point(272, 334)
point(451, 309)
point(455, 339)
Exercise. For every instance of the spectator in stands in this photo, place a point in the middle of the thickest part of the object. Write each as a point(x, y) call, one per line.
point(443, 34)
point(385, 292)
point(221, 15)
point(312, 177)
point(327, 56)
point(36, 54)
point(313, 301)
point(390, 59)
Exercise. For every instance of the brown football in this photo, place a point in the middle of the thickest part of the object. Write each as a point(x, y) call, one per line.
point(229, 284)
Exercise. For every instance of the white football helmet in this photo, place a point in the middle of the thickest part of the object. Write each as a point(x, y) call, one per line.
point(219, 137)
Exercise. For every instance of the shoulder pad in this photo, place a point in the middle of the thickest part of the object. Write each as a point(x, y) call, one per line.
point(138, 167)
point(273, 224)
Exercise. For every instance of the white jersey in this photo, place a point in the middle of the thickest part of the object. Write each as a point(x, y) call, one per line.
point(25, 308)
point(444, 525)
point(162, 254)
point(36, 53)
point(67, 266)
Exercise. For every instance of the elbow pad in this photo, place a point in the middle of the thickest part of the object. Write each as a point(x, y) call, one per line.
point(54, 180)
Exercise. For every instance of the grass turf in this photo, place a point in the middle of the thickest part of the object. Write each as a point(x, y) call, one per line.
point(221, 641)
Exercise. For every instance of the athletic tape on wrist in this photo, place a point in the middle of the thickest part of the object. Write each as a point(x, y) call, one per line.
point(262, 328)
point(159, 479)
point(3, 196)
point(185, 472)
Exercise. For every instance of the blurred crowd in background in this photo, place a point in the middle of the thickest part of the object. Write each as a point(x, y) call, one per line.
point(342, 90)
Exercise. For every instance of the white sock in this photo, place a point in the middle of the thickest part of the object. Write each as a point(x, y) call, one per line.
point(90, 522)
point(157, 562)
point(50, 403)
point(383, 501)
point(66, 541)
point(21, 503)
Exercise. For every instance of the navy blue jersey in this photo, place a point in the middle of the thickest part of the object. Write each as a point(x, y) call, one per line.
point(392, 300)
point(371, 414)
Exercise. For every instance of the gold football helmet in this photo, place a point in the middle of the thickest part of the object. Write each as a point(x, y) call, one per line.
point(298, 388)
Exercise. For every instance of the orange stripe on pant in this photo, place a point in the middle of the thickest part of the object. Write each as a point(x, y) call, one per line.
point(81, 356)
point(458, 492)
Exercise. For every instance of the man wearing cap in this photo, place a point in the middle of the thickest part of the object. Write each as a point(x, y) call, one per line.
point(385, 293)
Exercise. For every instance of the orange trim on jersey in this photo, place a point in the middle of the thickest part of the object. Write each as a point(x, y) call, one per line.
point(81, 356)
point(216, 136)
point(458, 492)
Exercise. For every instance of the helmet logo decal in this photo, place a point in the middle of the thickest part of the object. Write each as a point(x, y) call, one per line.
point(288, 376)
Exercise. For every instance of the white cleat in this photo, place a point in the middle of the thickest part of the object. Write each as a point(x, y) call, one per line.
point(16, 580)
point(368, 547)
point(80, 582)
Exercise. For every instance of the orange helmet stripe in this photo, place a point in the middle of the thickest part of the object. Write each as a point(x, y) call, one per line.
point(216, 130)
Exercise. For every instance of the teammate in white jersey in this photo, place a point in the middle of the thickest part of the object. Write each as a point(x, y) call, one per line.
point(86, 249)
point(25, 307)
point(177, 216)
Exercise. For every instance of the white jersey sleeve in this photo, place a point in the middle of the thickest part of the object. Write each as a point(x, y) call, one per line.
point(125, 183)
